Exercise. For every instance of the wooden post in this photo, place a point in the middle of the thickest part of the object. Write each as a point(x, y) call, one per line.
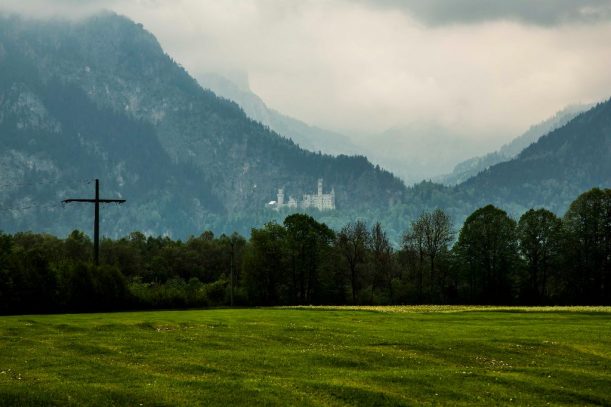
point(96, 224)
point(96, 217)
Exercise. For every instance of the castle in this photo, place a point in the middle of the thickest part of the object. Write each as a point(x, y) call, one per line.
point(320, 201)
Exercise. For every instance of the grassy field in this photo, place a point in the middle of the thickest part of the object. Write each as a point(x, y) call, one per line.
point(310, 356)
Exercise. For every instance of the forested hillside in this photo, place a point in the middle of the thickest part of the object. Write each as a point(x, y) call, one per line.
point(469, 168)
point(551, 171)
point(99, 98)
point(540, 259)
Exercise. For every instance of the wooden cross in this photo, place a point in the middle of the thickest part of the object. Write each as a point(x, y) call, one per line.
point(96, 220)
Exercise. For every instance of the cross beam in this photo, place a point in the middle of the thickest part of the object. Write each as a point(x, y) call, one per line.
point(96, 220)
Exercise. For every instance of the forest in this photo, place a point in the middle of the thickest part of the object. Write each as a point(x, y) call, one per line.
point(540, 259)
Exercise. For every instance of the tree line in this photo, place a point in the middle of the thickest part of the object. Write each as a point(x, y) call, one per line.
point(492, 259)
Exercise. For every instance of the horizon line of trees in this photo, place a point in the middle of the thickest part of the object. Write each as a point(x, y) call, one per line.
point(539, 259)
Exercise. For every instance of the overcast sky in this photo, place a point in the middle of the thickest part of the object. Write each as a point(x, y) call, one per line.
point(485, 67)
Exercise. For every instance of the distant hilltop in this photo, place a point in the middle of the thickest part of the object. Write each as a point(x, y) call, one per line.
point(320, 201)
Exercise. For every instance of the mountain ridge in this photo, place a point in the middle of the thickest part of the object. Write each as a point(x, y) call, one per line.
point(100, 98)
point(309, 137)
point(557, 167)
point(118, 66)
point(471, 167)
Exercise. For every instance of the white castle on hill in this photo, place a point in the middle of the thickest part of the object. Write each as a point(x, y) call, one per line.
point(320, 201)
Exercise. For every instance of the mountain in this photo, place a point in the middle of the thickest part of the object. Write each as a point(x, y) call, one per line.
point(413, 152)
point(99, 98)
point(553, 171)
point(550, 173)
point(420, 151)
point(468, 168)
point(308, 137)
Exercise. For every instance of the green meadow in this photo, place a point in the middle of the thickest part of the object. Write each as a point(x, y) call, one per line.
point(312, 356)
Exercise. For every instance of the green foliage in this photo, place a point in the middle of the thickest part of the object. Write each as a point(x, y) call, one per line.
point(487, 252)
point(540, 260)
point(382, 267)
point(266, 265)
point(353, 242)
point(540, 240)
point(89, 288)
point(308, 245)
point(426, 243)
point(588, 226)
point(176, 293)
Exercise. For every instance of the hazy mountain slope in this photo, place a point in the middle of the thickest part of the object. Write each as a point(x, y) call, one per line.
point(55, 141)
point(308, 137)
point(100, 98)
point(535, 132)
point(420, 151)
point(552, 171)
point(468, 168)
point(128, 108)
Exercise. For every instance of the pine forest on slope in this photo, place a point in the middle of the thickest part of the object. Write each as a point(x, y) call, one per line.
point(473, 166)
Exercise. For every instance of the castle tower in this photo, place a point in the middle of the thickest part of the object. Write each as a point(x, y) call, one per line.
point(319, 186)
point(280, 196)
point(332, 198)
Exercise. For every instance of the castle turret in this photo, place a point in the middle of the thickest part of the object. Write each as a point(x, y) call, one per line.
point(280, 196)
point(332, 206)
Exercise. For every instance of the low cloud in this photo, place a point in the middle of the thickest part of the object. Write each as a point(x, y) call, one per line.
point(68, 9)
point(488, 68)
point(536, 12)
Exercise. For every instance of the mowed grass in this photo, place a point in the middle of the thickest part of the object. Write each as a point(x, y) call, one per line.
point(309, 356)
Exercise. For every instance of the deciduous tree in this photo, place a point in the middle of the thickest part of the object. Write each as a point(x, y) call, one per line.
point(540, 241)
point(352, 242)
point(588, 225)
point(487, 252)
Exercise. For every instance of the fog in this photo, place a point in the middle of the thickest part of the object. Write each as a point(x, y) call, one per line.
point(488, 69)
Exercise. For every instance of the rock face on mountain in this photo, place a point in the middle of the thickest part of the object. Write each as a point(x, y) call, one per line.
point(99, 98)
